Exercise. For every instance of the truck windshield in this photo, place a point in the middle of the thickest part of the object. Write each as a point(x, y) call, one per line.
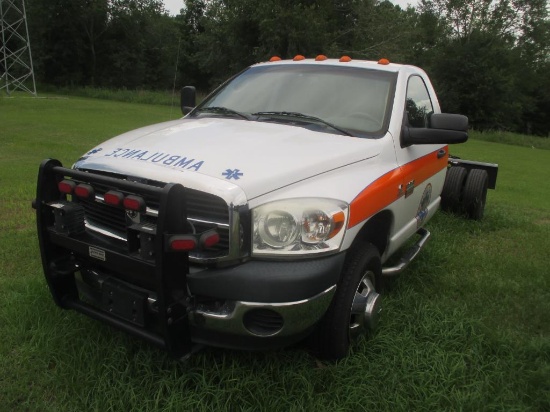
point(353, 100)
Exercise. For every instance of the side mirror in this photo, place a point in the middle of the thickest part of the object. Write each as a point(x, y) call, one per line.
point(444, 128)
point(448, 121)
point(187, 99)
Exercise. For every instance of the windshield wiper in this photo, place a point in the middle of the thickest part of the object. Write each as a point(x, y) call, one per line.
point(222, 110)
point(303, 117)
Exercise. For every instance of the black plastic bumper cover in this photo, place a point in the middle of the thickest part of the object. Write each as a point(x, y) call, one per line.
point(269, 281)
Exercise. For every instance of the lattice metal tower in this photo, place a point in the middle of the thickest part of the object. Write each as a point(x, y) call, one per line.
point(16, 70)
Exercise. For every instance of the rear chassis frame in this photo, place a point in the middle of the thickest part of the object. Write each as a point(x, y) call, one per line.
point(66, 252)
point(490, 168)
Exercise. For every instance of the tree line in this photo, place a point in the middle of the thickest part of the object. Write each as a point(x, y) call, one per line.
point(488, 59)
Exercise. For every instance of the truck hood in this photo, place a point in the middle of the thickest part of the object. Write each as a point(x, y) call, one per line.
point(257, 157)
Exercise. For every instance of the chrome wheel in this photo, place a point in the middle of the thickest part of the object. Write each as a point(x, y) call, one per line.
point(365, 308)
point(355, 307)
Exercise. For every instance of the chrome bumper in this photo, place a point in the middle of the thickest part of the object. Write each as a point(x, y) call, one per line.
point(278, 319)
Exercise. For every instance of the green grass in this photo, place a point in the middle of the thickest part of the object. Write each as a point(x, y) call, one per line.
point(157, 97)
point(465, 328)
point(533, 142)
point(166, 98)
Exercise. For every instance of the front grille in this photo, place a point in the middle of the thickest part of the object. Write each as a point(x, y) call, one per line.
point(204, 212)
point(104, 216)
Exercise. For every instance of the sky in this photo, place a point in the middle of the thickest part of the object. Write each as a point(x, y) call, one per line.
point(174, 6)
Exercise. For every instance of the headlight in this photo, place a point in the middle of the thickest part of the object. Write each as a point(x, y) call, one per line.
point(299, 226)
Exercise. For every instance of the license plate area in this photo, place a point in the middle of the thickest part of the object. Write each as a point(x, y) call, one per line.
point(124, 302)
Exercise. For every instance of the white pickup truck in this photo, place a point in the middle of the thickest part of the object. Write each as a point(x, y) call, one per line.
point(265, 215)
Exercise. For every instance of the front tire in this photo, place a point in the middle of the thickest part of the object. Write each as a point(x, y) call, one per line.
point(355, 307)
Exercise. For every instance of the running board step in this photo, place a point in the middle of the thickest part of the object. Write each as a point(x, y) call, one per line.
point(409, 255)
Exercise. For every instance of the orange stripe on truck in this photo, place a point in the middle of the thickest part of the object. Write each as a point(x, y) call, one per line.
point(391, 186)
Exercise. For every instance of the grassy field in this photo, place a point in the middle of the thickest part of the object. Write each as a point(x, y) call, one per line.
point(465, 328)
point(532, 142)
point(156, 97)
point(166, 98)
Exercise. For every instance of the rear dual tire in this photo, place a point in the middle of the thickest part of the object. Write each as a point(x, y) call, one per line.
point(451, 194)
point(475, 193)
point(465, 192)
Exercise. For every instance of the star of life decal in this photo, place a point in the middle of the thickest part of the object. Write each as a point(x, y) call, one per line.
point(232, 174)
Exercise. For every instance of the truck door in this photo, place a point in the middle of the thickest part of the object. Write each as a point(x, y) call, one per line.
point(423, 167)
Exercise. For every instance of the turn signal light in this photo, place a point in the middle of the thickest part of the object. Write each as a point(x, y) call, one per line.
point(84, 191)
point(135, 203)
point(66, 186)
point(338, 219)
point(113, 198)
point(209, 239)
point(182, 243)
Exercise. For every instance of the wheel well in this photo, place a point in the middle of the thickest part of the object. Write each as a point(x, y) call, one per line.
point(377, 230)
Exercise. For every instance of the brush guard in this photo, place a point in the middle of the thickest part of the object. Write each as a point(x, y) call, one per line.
point(66, 248)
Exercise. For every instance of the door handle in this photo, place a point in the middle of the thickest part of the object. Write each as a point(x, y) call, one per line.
point(410, 188)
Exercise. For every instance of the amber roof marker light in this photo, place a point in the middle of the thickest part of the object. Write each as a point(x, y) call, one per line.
point(384, 62)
